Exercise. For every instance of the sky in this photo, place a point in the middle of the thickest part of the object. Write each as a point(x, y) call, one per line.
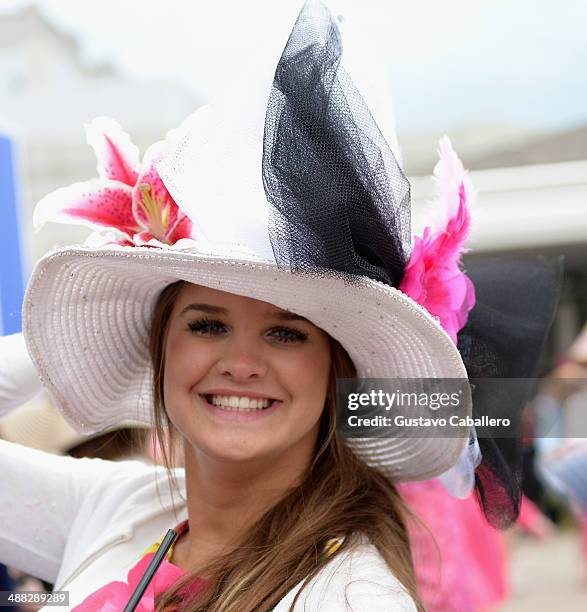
point(514, 62)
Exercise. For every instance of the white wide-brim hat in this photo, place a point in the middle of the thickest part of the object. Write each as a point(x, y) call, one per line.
point(38, 424)
point(87, 310)
point(87, 315)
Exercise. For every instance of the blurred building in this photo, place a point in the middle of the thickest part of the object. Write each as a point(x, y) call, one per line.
point(47, 93)
point(549, 174)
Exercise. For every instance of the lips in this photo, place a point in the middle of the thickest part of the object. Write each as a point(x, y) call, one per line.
point(238, 402)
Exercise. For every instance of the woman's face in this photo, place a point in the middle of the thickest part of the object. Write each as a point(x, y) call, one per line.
point(243, 379)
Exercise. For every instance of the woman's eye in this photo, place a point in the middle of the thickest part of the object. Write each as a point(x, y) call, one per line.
point(288, 335)
point(206, 327)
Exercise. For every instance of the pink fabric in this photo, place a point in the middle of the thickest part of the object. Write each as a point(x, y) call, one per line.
point(461, 564)
point(582, 517)
point(113, 596)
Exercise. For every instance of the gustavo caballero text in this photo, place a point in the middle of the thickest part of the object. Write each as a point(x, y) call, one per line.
point(400, 420)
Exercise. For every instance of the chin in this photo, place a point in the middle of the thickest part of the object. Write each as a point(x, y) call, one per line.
point(233, 457)
point(231, 451)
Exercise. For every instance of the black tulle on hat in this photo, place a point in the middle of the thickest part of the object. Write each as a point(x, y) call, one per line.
point(340, 201)
point(503, 339)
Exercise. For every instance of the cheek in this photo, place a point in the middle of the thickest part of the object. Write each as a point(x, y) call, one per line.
point(174, 365)
point(310, 375)
point(183, 365)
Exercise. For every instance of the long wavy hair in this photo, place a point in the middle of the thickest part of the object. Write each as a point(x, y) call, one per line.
point(339, 497)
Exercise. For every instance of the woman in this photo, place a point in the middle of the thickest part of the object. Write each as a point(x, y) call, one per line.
point(263, 253)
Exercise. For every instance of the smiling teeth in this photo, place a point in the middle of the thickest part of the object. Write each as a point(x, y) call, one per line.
point(239, 404)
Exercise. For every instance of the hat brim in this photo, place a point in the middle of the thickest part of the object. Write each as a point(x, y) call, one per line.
point(87, 313)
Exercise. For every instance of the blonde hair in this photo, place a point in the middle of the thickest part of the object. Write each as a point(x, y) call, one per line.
point(339, 497)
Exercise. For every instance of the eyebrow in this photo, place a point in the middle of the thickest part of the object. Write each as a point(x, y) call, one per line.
point(207, 308)
point(219, 310)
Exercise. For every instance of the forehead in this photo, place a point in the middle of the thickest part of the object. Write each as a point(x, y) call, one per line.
point(198, 295)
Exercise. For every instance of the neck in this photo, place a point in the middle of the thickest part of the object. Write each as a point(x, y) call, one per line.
point(225, 498)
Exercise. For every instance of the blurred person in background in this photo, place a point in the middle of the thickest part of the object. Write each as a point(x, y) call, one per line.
point(562, 424)
point(460, 552)
point(7, 583)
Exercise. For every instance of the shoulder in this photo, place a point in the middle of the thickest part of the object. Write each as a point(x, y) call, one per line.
point(128, 503)
point(135, 479)
point(356, 580)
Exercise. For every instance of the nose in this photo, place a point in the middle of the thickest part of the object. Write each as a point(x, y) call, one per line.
point(242, 359)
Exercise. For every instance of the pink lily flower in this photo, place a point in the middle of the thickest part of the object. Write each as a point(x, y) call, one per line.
point(128, 204)
point(433, 276)
point(114, 596)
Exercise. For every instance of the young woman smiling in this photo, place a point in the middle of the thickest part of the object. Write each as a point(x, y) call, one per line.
point(259, 255)
point(272, 493)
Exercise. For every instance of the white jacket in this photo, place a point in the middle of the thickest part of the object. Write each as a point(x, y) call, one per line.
point(82, 523)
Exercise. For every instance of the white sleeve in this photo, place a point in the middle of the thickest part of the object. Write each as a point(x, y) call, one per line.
point(19, 381)
point(356, 581)
point(41, 496)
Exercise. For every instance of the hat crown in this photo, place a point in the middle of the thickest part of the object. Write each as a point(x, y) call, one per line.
point(291, 166)
point(213, 161)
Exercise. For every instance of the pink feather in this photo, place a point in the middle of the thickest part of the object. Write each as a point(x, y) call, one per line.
point(433, 276)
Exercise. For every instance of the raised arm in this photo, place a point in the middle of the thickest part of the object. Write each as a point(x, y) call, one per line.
point(41, 496)
point(19, 381)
